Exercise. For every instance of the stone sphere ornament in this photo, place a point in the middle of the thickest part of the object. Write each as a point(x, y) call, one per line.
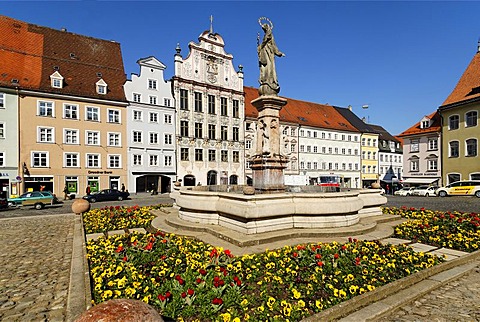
point(80, 206)
point(121, 310)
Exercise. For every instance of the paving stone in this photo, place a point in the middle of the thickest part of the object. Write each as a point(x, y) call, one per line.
point(418, 247)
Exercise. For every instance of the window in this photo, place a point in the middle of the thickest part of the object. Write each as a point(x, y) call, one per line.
point(70, 136)
point(113, 116)
point(224, 133)
point(167, 102)
point(236, 156)
point(93, 138)
point(56, 80)
point(183, 128)
point(45, 135)
point(167, 160)
point(153, 160)
point(71, 160)
point(2, 130)
point(212, 155)
point(363, 142)
point(101, 87)
point(309, 148)
point(292, 132)
point(414, 165)
point(432, 165)
point(2, 100)
point(471, 118)
point(114, 161)
point(414, 147)
point(137, 137)
point(224, 155)
point(236, 133)
point(248, 144)
point(198, 154)
point(309, 165)
point(198, 130)
point(453, 122)
point(167, 119)
point(330, 150)
point(198, 102)
point(45, 109)
point(113, 139)
point(184, 154)
point(93, 160)
point(454, 149)
point(137, 115)
point(302, 148)
point(39, 159)
point(152, 84)
point(432, 144)
point(183, 99)
point(92, 114)
point(471, 147)
point(137, 159)
point(2, 159)
point(293, 147)
point(336, 150)
point(425, 124)
point(211, 131)
point(70, 111)
point(153, 137)
point(315, 149)
point(453, 177)
point(168, 139)
point(137, 97)
point(211, 104)
point(152, 100)
point(302, 133)
point(236, 108)
point(153, 117)
point(223, 106)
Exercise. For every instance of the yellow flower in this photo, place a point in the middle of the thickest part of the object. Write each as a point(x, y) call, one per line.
point(270, 302)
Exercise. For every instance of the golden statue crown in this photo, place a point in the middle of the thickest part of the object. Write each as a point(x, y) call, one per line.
point(264, 20)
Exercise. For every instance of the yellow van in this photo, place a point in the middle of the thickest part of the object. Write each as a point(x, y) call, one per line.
point(460, 188)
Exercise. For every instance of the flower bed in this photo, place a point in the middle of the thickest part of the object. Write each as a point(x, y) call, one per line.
point(189, 280)
point(115, 218)
point(455, 230)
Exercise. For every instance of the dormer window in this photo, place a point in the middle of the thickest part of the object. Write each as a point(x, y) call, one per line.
point(101, 87)
point(56, 80)
point(425, 123)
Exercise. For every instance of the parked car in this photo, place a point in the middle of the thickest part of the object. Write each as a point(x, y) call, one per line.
point(426, 191)
point(37, 199)
point(460, 188)
point(106, 195)
point(407, 191)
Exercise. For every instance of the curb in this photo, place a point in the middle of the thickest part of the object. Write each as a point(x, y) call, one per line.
point(79, 293)
point(391, 296)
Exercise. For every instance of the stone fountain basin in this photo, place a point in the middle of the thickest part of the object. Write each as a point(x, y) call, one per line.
point(259, 213)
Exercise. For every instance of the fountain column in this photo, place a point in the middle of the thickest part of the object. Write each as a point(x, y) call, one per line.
point(267, 163)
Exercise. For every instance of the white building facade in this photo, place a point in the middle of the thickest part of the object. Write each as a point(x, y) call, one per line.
point(210, 114)
point(9, 144)
point(150, 129)
point(326, 152)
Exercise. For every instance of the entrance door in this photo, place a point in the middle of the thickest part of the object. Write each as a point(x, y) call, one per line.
point(189, 180)
point(211, 178)
point(115, 183)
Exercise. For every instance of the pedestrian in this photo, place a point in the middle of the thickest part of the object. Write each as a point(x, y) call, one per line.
point(123, 187)
point(387, 187)
point(88, 190)
point(42, 188)
point(65, 193)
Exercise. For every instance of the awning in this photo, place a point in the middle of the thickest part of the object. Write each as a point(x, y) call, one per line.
point(420, 180)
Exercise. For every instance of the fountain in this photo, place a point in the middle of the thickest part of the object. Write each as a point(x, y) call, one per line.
point(268, 206)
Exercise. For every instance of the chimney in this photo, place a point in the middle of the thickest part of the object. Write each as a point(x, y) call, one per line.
point(349, 107)
point(478, 46)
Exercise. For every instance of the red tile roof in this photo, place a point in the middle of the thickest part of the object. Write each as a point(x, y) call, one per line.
point(468, 87)
point(30, 54)
point(415, 130)
point(302, 113)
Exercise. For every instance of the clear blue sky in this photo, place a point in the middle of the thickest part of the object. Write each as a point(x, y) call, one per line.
point(401, 58)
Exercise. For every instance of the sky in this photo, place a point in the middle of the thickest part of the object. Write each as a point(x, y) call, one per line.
point(402, 59)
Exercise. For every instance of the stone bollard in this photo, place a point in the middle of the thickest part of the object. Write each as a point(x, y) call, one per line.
point(248, 190)
point(121, 310)
point(80, 206)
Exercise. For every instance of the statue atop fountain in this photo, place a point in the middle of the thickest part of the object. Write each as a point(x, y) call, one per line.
point(267, 163)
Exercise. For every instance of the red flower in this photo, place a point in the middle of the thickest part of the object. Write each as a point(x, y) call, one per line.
point(228, 253)
point(295, 254)
point(184, 295)
point(190, 292)
point(119, 249)
point(320, 264)
point(161, 297)
point(318, 256)
point(336, 256)
point(217, 301)
point(125, 258)
point(203, 272)
point(199, 280)
point(149, 246)
point(168, 294)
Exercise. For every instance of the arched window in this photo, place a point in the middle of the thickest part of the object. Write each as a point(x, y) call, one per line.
point(211, 177)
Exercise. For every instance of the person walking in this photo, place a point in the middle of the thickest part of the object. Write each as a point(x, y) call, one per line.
point(88, 190)
point(123, 188)
point(65, 193)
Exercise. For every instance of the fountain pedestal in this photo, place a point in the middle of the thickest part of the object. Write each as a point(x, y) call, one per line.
point(268, 164)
